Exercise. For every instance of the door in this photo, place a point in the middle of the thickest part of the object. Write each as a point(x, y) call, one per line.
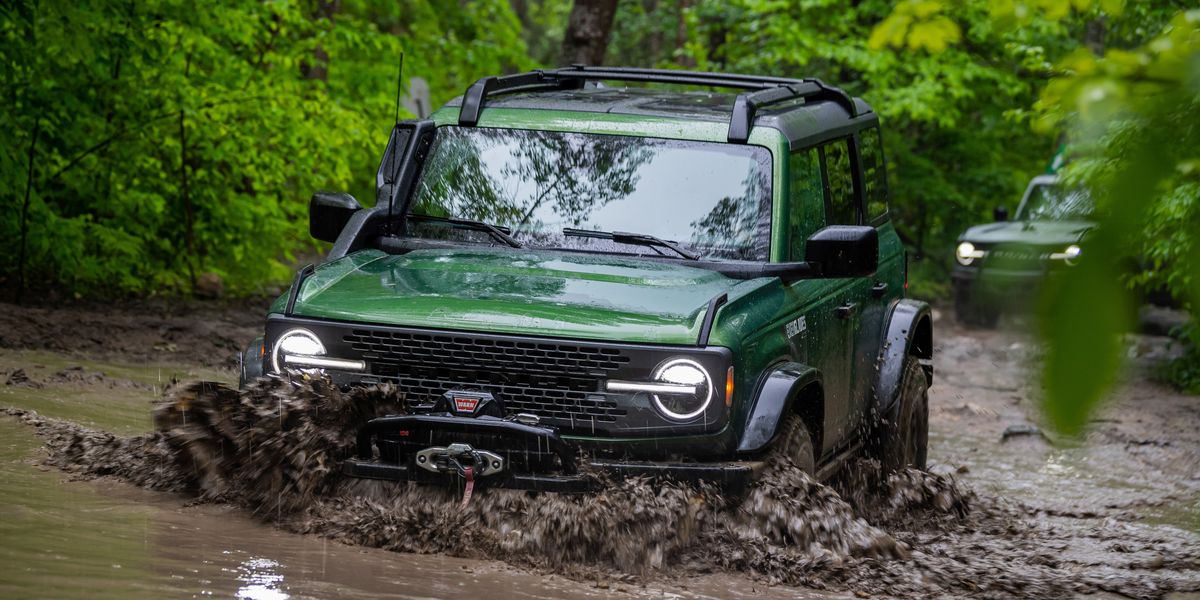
point(824, 329)
point(843, 206)
point(888, 282)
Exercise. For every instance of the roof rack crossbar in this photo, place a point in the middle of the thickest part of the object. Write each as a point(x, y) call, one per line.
point(618, 72)
point(746, 105)
point(472, 102)
point(759, 91)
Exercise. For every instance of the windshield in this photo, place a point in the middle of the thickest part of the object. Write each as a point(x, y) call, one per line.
point(711, 199)
point(1056, 203)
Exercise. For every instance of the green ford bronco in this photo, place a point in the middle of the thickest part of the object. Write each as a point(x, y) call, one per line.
point(1001, 264)
point(564, 273)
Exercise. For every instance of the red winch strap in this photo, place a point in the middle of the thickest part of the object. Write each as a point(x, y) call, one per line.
point(469, 474)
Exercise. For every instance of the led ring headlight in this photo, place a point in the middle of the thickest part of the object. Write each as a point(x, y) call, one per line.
point(301, 349)
point(684, 373)
point(1068, 255)
point(966, 253)
point(295, 342)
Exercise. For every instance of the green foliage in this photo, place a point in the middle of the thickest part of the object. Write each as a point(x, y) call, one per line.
point(927, 281)
point(172, 141)
point(916, 25)
point(1184, 372)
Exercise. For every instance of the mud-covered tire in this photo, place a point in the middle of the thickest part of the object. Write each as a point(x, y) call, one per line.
point(902, 438)
point(795, 443)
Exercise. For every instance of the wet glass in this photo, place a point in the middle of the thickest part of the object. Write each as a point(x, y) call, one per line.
point(1056, 203)
point(712, 199)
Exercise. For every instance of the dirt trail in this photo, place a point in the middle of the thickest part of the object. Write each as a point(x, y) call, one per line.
point(197, 333)
point(1004, 513)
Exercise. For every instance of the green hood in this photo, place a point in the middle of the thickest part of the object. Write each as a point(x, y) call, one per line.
point(1033, 233)
point(549, 293)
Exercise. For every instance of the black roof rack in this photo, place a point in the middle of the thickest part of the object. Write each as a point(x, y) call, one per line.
point(760, 91)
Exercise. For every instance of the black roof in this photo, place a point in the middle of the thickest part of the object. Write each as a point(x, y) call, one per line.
point(805, 111)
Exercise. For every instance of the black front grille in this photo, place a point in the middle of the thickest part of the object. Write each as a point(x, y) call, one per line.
point(1017, 255)
point(559, 382)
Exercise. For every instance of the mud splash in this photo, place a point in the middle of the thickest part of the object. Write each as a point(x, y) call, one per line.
point(274, 450)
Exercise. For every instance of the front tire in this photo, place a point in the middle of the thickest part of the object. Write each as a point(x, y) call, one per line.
point(795, 443)
point(903, 439)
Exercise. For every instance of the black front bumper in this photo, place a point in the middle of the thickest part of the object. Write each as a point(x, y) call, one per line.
point(535, 457)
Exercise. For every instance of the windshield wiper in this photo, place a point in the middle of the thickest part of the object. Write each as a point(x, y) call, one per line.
point(624, 237)
point(488, 228)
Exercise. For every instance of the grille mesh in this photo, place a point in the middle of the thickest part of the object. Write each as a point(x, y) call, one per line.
point(559, 382)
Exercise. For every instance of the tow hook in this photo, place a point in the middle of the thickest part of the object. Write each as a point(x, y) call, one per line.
point(462, 460)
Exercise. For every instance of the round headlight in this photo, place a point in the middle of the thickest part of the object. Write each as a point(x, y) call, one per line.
point(1068, 255)
point(966, 253)
point(1071, 253)
point(683, 405)
point(298, 342)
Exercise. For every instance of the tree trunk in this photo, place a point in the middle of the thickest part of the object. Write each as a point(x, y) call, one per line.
point(681, 36)
point(655, 38)
point(1094, 35)
point(521, 9)
point(188, 213)
point(586, 39)
point(37, 127)
point(319, 67)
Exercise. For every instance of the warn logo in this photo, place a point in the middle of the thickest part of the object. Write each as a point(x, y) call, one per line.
point(467, 403)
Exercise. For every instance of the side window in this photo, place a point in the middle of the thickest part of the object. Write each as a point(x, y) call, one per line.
point(841, 204)
point(874, 174)
point(806, 201)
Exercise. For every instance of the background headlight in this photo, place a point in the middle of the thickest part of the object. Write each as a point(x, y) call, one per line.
point(296, 342)
point(685, 373)
point(1068, 255)
point(966, 253)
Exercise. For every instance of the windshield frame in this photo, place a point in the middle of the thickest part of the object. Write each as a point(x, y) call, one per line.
point(762, 167)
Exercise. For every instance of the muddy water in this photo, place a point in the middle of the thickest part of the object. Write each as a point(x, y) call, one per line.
point(103, 538)
point(110, 540)
point(1116, 513)
point(1141, 458)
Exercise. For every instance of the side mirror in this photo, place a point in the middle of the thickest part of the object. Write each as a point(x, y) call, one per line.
point(839, 251)
point(1000, 213)
point(328, 213)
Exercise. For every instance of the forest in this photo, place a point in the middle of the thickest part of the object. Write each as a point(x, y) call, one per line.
point(152, 148)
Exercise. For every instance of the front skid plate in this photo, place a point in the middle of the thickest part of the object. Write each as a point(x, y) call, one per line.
point(732, 477)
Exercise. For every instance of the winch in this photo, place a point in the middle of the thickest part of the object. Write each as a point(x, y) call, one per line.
point(462, 459)
point(457, 458)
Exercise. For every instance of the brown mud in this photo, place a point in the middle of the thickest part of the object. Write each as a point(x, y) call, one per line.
point(999, 515)
point(201, 333)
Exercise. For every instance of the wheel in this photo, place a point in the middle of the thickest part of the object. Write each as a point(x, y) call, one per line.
point(903, 437)
point(795, 443)
point(972, 312)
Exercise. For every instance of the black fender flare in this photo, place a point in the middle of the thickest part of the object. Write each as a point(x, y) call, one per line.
point(250, 363)
point(909, 332)
point(775, 396)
